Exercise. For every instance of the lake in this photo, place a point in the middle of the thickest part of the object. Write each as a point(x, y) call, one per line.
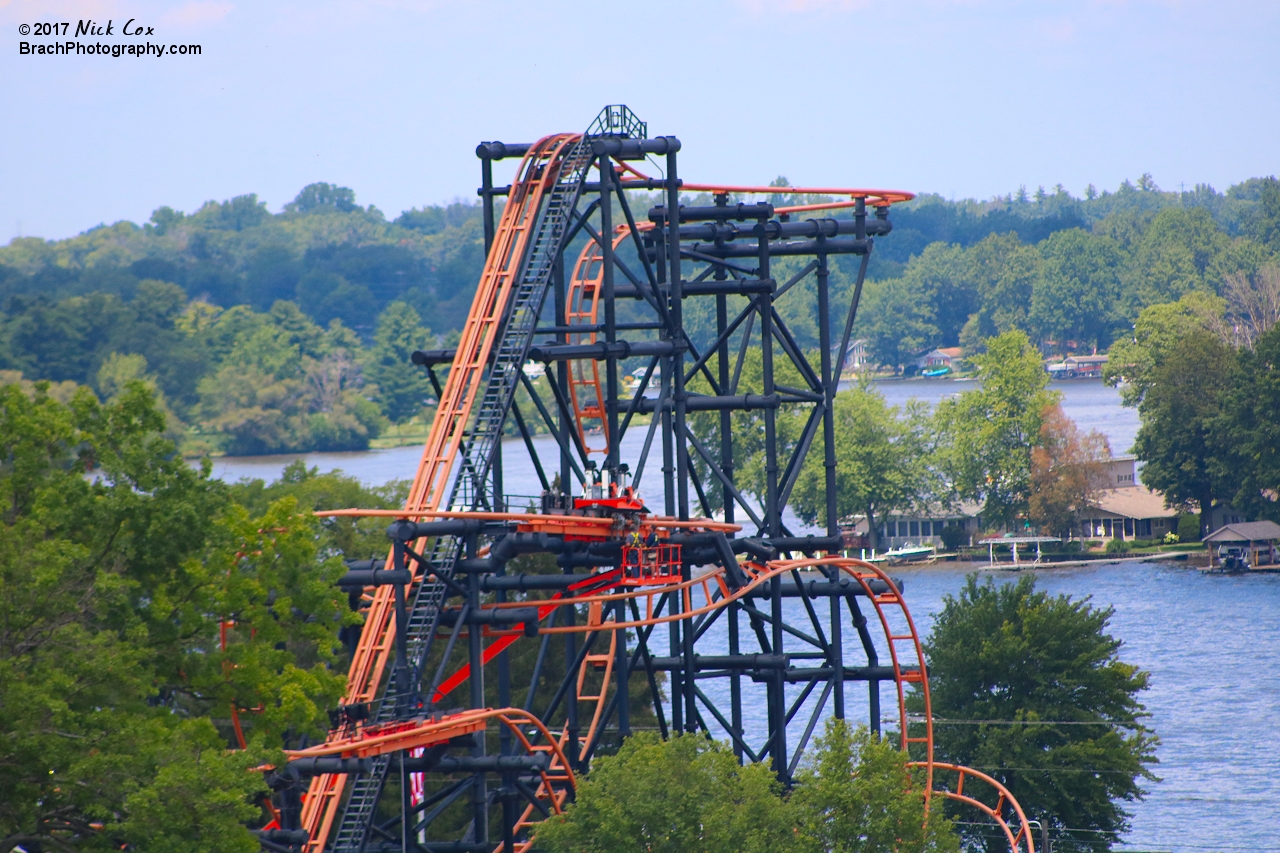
point(1209, 642)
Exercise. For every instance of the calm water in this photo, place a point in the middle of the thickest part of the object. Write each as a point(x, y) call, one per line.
point(1211, 644)
point(1090, 403)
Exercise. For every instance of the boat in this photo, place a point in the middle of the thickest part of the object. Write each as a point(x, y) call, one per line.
point(909, 554)
point(935, 372)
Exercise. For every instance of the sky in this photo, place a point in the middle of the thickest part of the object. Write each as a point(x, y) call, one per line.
point(966, 98)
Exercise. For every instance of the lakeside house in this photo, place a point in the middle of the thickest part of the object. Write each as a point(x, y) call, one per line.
point(855, 359)
point(939, 358)
point(925, 527)
point(1078, 367)
point(1126, 509)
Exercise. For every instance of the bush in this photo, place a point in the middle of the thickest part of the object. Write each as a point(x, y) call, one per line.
point(1072, 547)
point(1188, 527)
point(1171, 538)
point(952, 537)
point(1117, 546)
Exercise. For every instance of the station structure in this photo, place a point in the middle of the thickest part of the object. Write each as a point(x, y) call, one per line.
point(504, 644)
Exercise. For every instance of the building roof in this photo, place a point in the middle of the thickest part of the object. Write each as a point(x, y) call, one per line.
point(1134, 502)
point(1245, 531)
point(950, 352)
point(1088, 359)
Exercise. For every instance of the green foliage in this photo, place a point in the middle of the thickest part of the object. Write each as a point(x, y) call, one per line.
point(1117, 546)
point(1177, 255)
point(322, 197)
point(953, 537)
point(684, 795)
point(116, 688)
point(1054, 710)
point(1004, 271)
point(1075, 295)
point(858, 796)
point(1188, 527)
point(1061, 268)
point(288, 385)
point(1187, 388)
point(986, 434)
point(883, 461)
point(1072, 272)
point(688, 795)
point(1157, 333)
point(402, 386)
point(894, 322)
point(1246, 432)
point(356, 538)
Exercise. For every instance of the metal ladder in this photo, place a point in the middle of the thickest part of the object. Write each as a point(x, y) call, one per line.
point(477, 451)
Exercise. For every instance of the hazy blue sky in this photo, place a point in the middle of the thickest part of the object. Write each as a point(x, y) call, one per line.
point(389, 97)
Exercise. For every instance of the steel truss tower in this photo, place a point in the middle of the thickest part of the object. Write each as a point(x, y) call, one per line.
point(445, 742)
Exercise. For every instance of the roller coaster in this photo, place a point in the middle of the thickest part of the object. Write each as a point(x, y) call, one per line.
point(706, 617)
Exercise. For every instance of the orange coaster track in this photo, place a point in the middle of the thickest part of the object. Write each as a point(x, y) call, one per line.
point(646, 573)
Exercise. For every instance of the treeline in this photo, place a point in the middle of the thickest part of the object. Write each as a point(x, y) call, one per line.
point(234, 380)
point(1071, 273)
point(291, 331)
point(323, 251)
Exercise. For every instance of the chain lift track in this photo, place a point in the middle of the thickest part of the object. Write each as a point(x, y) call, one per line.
point(714, 620)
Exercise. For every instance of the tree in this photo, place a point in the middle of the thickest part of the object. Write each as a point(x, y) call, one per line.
point(1031, 690)
point(1245, 434)
point(1068, 470)
point(1253, 306)
point(684, 795)
point(116, 688)
point(287, 385)
point(1179, 408)
point(1158, 332)
point(895, 322)
point(1174, 256)
point(321, 197)
point(883, 461)
point(940, 278)
point(1075, 295)
point(1004, 271)
point(857, 795)
point(688, 795)
point(1264, 225)
point(986, 435)
point(402, 386)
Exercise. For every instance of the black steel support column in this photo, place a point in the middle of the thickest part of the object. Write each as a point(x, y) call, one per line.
point(475, 655)
point(574, 745)
point(486, 192)
point(830, 381)
point(831, 384)
point(562, 375)
point(622, 670)
point(610, 312)
point(678, 336)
